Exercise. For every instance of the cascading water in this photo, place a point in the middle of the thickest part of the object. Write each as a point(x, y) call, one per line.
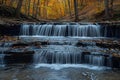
point(62, 39)
point(69, 54)
point(94, 60)
point(2, 55)
point(3, 47)
point(2, 58)
point(65, 54)
point(67, 29)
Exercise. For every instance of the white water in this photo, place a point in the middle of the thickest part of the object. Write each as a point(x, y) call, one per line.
point(66, 55)
point(95, 60)
point(62, 66)
point(70, 54)
point(58, 54)
point(86, 30)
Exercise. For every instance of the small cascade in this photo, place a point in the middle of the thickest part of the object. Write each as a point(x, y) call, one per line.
point(60, 55)
point(2, 55)
point(3, 47)
point(66, 44)
point(66, 29)
point(2, 59)
point(68, 54)
point(45, 57)
point(57, 58)
point(95, 60)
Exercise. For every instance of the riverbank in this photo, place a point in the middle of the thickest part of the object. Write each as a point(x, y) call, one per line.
point(21, 21)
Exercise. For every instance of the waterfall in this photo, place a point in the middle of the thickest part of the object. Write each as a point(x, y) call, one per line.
point(2, 59)
point(63, 41)
point(94, 60)
point(66, 29)
point(57, 58)
point(68, 58)
point(2, 55)
point(68, 54)
point(3, 47)
point(58, 54)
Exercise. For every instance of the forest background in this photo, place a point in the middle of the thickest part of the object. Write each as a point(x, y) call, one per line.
point(61, 10)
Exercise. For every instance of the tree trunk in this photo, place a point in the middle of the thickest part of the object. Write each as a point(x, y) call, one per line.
point(69, 8)
point(29, 1)
point(107, 15)
point(45, 8)
point(76, 10)
point(33, 12)
point(18, 9)
point(26, 7)
point(11, 2)
point(111, 8)
point(37, 8)
point(2, 2)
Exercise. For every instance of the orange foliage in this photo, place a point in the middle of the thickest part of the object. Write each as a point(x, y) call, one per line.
point(54, 9)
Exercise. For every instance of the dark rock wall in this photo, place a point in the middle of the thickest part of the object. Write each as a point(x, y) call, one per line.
point(110, 30)
point(18, 57)
point(10, 29)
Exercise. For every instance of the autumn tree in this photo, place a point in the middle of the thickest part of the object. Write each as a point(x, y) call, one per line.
point(29, 1)
point(69, 8)
point(111, 8)
point(18, 9)
point(76, 10)
point(2, 1)
point(37, 9)
point(108, 8)
point(11, 2)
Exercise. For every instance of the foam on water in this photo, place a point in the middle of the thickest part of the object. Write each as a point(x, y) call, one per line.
point(62, 66)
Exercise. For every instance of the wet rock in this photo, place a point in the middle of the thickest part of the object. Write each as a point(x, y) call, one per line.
point(10, 29)
point(81, 44)
point(27, 44)
point(106, 55)
point(86, 53)
point(18, 57)
point(36, 44)
point(44, 43)
point(110, 29)
point(19, 53)
point(108, 45)
point(115, 61)
point(20, 45)
point(83, 56)
point(85, 43)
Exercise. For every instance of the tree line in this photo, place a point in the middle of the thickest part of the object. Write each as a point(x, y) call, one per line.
point(44, 8)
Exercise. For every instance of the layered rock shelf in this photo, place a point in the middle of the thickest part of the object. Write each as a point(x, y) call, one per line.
point(108, 29)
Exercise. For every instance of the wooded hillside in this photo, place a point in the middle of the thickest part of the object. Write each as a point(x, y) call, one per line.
point(70, 10)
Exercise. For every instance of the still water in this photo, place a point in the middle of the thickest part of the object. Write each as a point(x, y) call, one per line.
point(65, 73)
